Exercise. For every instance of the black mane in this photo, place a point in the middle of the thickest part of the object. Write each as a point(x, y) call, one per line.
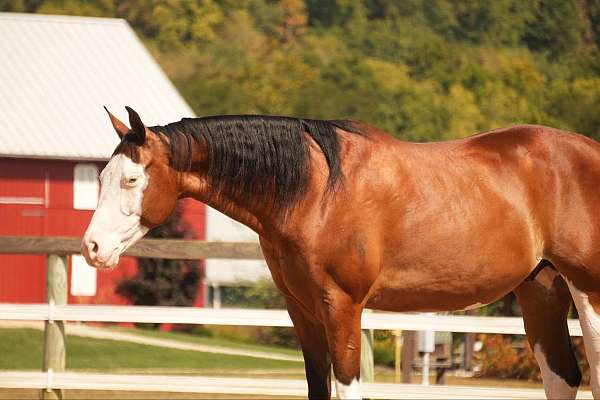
point(266, 156)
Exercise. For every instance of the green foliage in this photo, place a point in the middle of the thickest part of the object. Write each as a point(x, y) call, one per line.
point(420, 69)
point(384, 348)
point(556, 27)
point(263, 294)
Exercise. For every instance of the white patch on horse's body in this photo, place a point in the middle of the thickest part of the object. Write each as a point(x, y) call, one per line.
point(590, 326)
point(554, 385)
point(474, 306)
point(546, 277)
point(351, 391)
point(116, 221)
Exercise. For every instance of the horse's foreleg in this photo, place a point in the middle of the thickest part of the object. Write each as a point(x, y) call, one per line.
point(342, 324)
point(545, 303)
point(317, 362)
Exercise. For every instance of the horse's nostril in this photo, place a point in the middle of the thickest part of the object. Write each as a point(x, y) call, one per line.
point(94, 247)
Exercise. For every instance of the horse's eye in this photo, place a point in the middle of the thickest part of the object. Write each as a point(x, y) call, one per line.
point(132, 180)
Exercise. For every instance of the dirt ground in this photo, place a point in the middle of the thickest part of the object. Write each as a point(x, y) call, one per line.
point(31, 394)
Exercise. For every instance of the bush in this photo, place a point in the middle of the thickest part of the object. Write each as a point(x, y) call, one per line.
point(263, 294)
point(384, 354)
point(500, 358)
point(384, 348)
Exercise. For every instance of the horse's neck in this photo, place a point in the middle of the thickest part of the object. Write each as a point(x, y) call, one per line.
point(242, 213)
point(247, 212)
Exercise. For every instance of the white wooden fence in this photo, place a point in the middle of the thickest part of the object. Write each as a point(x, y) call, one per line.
point(249, 317)
point(54, 380)
point(246, 317)
point(260, 387)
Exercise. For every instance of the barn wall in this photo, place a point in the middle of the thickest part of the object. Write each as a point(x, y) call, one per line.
point(45, 190)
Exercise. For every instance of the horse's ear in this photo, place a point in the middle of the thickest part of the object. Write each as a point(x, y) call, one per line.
point(120, 127)
point(137, 126)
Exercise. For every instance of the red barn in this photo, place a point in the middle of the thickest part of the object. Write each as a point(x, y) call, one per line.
point(56, 138)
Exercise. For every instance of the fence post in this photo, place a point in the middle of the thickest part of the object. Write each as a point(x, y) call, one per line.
point(408, 354)
point(397, 354)
point(54, 335)
point(367, 365)
point(468, 346)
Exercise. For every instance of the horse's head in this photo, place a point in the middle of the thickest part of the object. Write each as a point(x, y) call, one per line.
point(138, 191)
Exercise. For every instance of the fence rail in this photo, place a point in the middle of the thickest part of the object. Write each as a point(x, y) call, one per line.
point(149, 248)
point(259, 387)
point(253, 317)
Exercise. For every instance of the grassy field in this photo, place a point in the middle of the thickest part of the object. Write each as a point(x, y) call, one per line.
point(212, 341)
point(21, 349)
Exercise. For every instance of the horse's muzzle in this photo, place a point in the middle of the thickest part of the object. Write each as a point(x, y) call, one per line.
point(96, 258)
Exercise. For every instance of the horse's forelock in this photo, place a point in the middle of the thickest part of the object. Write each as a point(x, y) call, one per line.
point(128, 147)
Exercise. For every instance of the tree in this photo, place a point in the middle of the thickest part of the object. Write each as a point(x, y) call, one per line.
point(556, 27)
point(420, 69)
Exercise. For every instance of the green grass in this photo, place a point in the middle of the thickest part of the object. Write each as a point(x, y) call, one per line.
point(211, 341)
point(22, 349)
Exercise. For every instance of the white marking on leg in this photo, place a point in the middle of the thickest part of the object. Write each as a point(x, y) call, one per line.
point(590, 326)
point(474, 306)
point(554, 385)
point(546, 277)
point(351, 391)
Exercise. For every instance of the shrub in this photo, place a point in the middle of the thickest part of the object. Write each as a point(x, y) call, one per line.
point(262, 294)
point(500, 358)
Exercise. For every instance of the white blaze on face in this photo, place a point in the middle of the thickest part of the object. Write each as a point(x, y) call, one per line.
point(116, 223)
point(351, 391)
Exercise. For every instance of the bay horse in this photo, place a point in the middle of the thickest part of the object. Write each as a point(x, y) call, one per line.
point(351, 218)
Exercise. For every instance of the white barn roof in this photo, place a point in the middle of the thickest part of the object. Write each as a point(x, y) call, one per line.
point(57, 72)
